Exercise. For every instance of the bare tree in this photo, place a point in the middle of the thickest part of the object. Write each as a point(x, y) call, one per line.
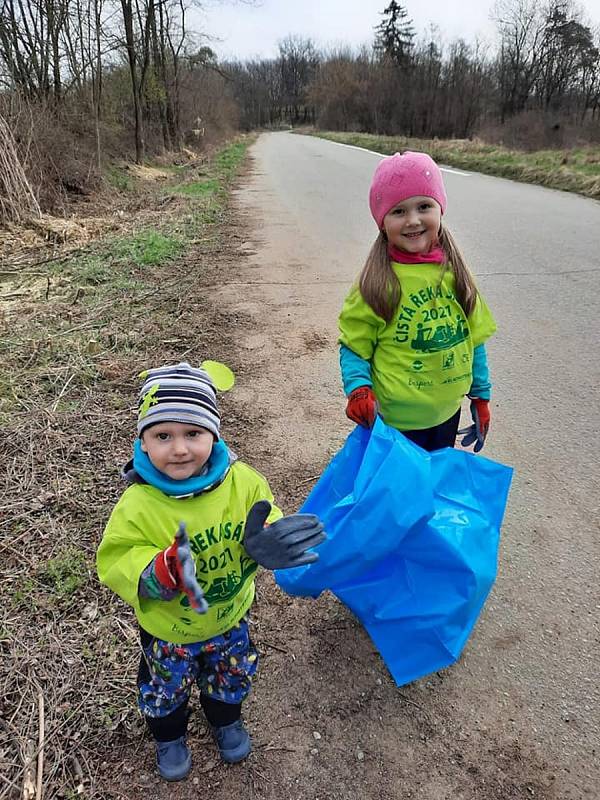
point(298, 60)
point(258, 91)
point(589, 79)
point(521, 32)
point(132, 58)
point(567, 51)
point(25, 47)
point(429, 69)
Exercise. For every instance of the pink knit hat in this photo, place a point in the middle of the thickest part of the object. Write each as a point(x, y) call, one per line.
point(401, 176)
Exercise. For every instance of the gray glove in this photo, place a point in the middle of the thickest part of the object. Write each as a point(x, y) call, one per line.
point(283, 543)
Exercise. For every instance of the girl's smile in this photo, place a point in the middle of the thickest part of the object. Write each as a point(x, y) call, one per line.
point(414, 224)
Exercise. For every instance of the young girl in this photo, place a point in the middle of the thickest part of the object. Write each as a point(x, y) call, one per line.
point(412, 331)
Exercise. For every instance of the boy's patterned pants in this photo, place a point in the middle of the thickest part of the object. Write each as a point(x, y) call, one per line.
point(222, 667)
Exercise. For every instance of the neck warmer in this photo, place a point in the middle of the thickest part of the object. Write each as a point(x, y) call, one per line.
point(435, 256)
point(215, 469)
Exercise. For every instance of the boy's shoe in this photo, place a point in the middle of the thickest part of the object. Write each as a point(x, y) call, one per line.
point(173, 759)
point(233, 741)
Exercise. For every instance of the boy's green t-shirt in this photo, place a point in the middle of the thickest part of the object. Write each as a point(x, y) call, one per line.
point(422, 361)
point(145, 521)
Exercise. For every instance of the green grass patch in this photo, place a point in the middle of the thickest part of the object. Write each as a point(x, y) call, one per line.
point(575, 170)
point(119, 179)
point(92, 270)
point(66, 573)
point(199, 188)
point(56, 582)
point(108, 262)
point(221, 171)
point(230, 158)
point(149, 247)
point(24, 591)
point(101, 294)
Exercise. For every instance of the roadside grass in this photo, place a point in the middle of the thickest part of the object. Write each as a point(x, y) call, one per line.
point(55, 583)
point(225, 166)
point(75, 333)
point(118, 178)
point(576, 170)
point(65, 573)
point(108, 263)
point(199, 188)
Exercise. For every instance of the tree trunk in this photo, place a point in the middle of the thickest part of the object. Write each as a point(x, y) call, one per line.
point(131, 57)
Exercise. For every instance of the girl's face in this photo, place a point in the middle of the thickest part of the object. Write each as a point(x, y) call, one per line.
point(177, 449)
point(413, 225)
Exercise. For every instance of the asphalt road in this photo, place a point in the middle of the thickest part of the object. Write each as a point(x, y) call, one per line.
point(531, 669)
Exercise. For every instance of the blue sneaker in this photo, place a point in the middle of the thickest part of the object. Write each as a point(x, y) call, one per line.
point(173, 759)
point(233, 741)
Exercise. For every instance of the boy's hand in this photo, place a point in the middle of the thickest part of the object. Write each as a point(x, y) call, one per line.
point(283, 543)
point(175, 569)
point(480, 411)
point(362, 406)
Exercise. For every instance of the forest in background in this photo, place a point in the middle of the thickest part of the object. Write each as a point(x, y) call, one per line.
point(84, 83)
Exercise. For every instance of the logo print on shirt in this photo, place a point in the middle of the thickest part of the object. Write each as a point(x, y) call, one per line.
point(448, 360)
point(441, 337)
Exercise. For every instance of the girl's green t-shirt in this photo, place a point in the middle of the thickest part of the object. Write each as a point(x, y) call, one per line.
point(421, 361)
point(145, 521)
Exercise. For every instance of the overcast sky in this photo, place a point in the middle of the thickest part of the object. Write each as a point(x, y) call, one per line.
point(244, 30)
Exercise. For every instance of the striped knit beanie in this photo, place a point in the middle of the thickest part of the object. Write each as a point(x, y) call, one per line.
point(178, 393)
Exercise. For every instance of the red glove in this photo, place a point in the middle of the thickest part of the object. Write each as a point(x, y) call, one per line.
point(174, 569)
point(362, 406)
point(480, 411)
point(483, 414)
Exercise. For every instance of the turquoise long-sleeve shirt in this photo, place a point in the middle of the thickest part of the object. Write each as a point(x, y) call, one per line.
point(356, 371)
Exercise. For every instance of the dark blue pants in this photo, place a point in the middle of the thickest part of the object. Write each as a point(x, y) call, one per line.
point(222, 667)
point(442, 435)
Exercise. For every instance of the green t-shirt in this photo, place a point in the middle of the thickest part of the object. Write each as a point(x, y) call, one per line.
point(422, 361)
point(144, 522)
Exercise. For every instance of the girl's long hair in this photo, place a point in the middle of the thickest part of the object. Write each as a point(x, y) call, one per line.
point(380, 288)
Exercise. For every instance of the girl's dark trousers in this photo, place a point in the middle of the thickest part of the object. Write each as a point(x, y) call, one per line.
point(442, 435)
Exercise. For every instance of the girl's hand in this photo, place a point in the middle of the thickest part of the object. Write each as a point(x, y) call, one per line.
point(480, 411)
point(174, 569)
point(362, 406)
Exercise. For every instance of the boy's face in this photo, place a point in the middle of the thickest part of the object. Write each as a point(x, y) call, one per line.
point(177, 449)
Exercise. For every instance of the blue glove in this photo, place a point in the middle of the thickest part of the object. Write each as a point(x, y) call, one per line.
point(283, 543)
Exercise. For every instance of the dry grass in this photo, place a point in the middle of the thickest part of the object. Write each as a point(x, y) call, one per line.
point(572, 170)
point(17, 199)
point(74, 338)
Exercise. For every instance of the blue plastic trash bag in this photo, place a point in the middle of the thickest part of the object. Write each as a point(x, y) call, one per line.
point(415, 560)
point(366, 501)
